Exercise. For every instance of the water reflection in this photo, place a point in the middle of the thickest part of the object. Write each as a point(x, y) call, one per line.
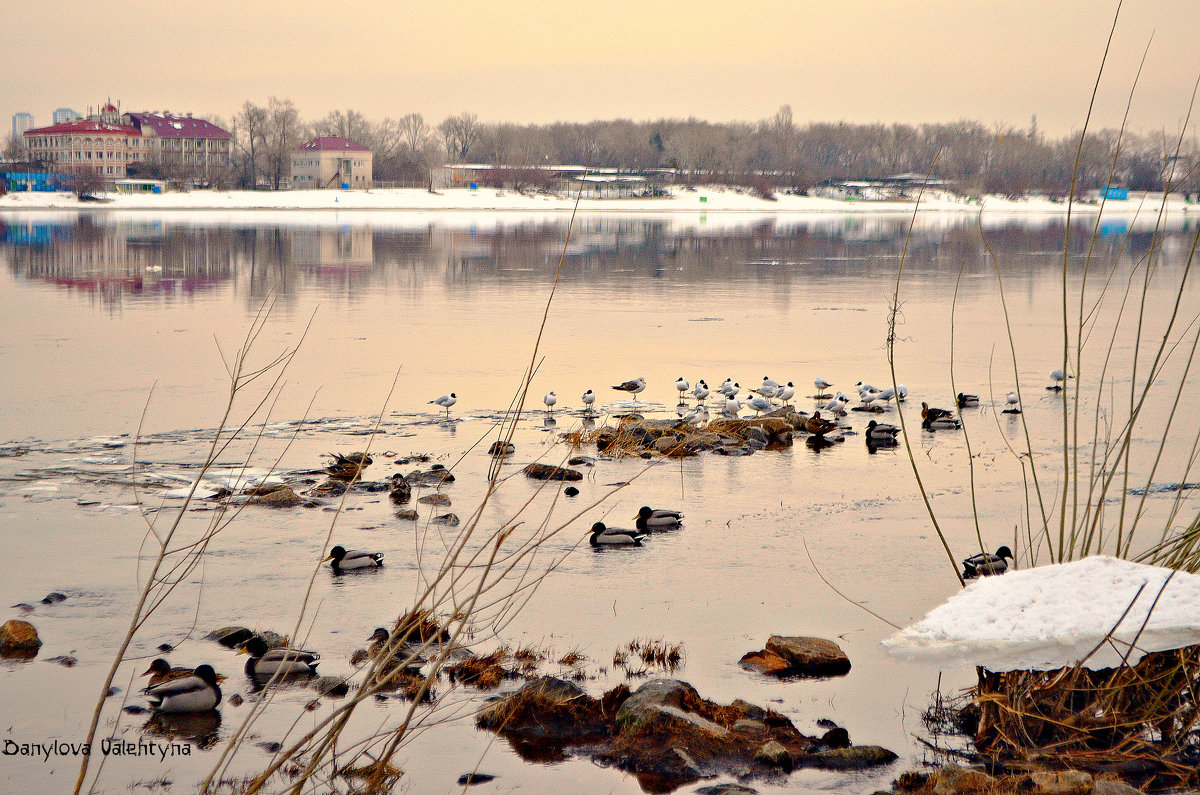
point(122, 258)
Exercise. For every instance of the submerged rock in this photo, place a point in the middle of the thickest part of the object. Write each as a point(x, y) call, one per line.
point(502, 448)
point(18, 636)
point(54, 597)
point(798, 656)
point(408, 514)
point(281, 497)
point(331, 685)
point(436, 475)
point(448, 519)
point(547, 472)
point(230, 636)
point(467, 779)
point(434, 499)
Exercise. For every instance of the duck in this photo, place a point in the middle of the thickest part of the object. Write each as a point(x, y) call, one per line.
point(786, 392)
point(161, 671)
point(602, 535)
point(348, 467)
point(964, 400)
point(985, 564)
point(446, 401)
point(197, 692)
point(881, 432)
point(818, 426)
point(550, 399)
point(632, 387)
point(683, 386)
point(341, 559)
point(929, 414)
point(405, 652)
point(265, 661)
point(649, 519)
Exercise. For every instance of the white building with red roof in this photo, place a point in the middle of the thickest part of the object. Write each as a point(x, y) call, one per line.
point(331, 162)
point(198, 145)
point(107, 147)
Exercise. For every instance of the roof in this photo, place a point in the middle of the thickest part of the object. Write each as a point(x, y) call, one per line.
point(170, 125)
point(85, 126)
point(331, 143)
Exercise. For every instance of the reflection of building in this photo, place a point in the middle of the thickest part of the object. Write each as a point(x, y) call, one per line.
point(63, 115)
point(331, 162)
point(198, 145)
point(20, 123)
point(332, 249)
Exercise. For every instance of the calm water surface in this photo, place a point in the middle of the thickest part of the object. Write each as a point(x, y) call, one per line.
point(110, 315)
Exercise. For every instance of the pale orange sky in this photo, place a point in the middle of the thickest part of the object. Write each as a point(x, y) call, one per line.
point(534, 61)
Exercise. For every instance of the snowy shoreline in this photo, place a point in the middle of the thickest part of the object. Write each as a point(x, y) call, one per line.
point(702, 200)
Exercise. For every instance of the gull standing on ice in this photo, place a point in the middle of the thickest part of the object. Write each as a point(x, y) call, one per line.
point(683, 386)
point(701, 391)
point(785, 393)
point(759, 404)
point(1058, 377)
point(632, 387)
point(550, 399)
point(589, 397)
point(446, 401)
point(821, 384)
point(732, 406)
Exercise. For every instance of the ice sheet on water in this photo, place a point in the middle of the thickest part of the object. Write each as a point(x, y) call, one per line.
point(1053, 616)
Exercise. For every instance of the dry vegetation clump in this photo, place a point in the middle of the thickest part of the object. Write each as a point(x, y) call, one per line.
point(654, 653)
point(572, 658)
point(1138, 720)
point(420, 626)
point(549, 709)
point(485, 672)
point(634, 436)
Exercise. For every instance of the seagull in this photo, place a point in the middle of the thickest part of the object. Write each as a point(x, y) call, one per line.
point(1013, 403)
point(701, 391)
point(589, 397)
point(733, 389)
point(860, 386)
point(785, 393)
point(837, 405)
point(759, 404)
point(1058, 377)
point(901, 392)
point(868, 395)
point(732, 406)
point(550, 399)
point(632, 387)
point(446, 401)
point(887, 394)
point(768, 383)
point(986, 564)
point(696, 416)
point(683, 386)
point(821, 384)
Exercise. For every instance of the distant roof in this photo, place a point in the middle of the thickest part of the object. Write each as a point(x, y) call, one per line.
point(85, 126)
point(170, 125)
point(331, 143)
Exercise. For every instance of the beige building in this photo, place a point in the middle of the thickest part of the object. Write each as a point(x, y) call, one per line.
point(331, 162)
point(199, 146)
point(107, 147)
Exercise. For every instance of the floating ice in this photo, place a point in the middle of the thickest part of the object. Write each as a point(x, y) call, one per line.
point(1053, 616)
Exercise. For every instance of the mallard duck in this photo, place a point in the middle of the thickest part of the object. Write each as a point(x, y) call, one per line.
point(196, 693)
point(930, 414)
point(881, 432)
point(649, 519)
point(341, 559)
point(818, 426)
point(348, 467)
point(964, 400)
point(161, 671)
point(265, 661)
point(612, 536)
point(632, 387)
point(986, 564)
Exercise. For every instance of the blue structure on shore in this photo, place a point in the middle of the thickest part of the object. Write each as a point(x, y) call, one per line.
point(33, 180)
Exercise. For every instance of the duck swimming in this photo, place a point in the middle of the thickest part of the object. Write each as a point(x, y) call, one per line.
point(985, 564)
point(881, 432)
point(341, 559)
point(818, 426)
point(348, 467)
point(649, 519)
point(265, 661)
point(196, 693)
point(964, 400)
point(612, 536)
point(161, 671)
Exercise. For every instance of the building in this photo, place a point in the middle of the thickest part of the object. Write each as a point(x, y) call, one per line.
point(20, 123)
point(198, 146)
point(63, 115)
point(331, 162)
point(108, 147)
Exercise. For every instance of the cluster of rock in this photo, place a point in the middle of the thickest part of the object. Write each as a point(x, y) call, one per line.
point(954, 780)
point(666, 733)
point(798, 656)
point(679, 439)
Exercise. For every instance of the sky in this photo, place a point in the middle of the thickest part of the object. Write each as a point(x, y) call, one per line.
point(533, 61)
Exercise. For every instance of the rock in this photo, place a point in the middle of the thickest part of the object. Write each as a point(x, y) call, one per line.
point(434, 476)
point(65, 660)
point(855, 757)
point(165, 647)
point(501, 448)
point(1105, 787)
point(748, 725)
point(836, 737)
point(772, 754)
point(765, 662)
point(658, 719)
point(467, 779)
point(571, 491)
point(757, 435)
point(546, 708)
point(434, 499)
point(665, 444)
point(269, 746)
point(401, 490)
point(371, 486)
point(654, 693)
point(407, 514)
point(112, 691)
point(810, 656)
point(54, 597)
point(329, 488)
point(726, 789)
point(733, 451)
point(952, 780)
point(236, 700)
point(581, 461)
point(24, 607)
point(688, 766)
point(17, 636)
point(1061, 782)
point(282, 497)
point(750, 711)
point(755, 445)
point(547, 472)
point(135, 709)
point(448, 519)
point(230, 636)
point(331, 685)
point(274, 639)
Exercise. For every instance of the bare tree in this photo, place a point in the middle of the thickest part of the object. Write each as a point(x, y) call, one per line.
point(283, 133)
point(16, 150)
point(414, 133)
point(459, 134)
point(248, 135)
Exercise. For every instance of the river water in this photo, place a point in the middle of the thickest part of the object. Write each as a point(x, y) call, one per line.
point(115, 322)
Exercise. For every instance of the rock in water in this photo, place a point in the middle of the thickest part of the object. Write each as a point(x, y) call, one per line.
point(282, 497)
point(547, 472)
point(467, 779)
point(810, 656)
point(17, 636)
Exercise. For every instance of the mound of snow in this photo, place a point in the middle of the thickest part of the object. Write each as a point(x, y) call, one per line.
point(1053, 616)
